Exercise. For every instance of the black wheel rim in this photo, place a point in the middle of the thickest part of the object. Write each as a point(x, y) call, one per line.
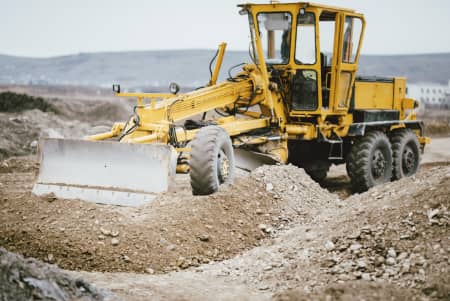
point(378, 164)
point(409, 160)
point(223, 167)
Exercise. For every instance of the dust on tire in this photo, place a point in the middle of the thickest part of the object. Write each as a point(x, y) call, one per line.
point(370, 161)
point(405, 153)
point(209, 147)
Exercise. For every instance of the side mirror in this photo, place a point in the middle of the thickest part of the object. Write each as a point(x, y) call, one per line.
point(243, 12)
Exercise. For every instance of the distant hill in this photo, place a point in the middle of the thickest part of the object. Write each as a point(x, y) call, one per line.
point(154, 70)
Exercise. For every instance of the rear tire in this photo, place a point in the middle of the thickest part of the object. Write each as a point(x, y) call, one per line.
point(405, 153)
point(370, 161)
point(212, 160)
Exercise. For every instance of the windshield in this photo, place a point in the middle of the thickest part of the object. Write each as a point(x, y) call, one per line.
point(275, 35)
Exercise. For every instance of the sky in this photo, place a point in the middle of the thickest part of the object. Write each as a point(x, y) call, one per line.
point(45, 28)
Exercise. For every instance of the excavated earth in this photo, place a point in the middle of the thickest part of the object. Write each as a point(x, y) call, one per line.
point(272, 235)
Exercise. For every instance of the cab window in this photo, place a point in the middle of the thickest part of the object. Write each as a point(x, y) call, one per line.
point(352, 35)
point(305, 49)
point(275, 34)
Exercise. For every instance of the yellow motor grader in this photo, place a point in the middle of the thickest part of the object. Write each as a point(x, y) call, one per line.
point(298, 101)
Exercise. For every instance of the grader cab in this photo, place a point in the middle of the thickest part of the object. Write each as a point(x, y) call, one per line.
point(298, 101)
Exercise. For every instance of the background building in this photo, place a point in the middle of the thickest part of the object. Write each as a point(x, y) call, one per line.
point(431, 96)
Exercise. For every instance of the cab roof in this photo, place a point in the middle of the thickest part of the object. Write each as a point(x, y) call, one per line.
point(300, 4)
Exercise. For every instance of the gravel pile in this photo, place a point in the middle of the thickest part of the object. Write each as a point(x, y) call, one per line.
point(295, 187)
point(391, 252)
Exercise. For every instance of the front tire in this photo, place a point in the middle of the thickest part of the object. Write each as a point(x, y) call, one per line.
point(212, 160)
point(405, 153)
point(370, 161)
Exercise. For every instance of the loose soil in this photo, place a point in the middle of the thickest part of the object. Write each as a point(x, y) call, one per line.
point(390, 241)
point(173, 232)
point(24, 119)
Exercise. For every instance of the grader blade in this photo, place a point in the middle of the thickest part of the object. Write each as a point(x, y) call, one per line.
point(105, 172)
point(249, 160)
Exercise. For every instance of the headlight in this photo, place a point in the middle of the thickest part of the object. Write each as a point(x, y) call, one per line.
point(116, 88)
point(174, 88)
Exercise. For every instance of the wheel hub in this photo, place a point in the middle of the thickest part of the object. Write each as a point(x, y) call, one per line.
point(408, 160)
point(223, 167)
point(378, 164)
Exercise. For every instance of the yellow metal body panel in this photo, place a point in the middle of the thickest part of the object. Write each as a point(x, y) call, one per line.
point(370, 96)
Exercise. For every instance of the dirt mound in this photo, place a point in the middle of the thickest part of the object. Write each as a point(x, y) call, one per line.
point(173, 232)
point(93, 111)
point(291, 184)
point(334, 256)
point(14, 102)
point(30, 279)
point(54, 118)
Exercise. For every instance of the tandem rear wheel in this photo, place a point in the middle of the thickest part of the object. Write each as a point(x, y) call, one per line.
point(376, 158)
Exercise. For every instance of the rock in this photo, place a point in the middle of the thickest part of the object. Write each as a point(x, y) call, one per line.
point(344, 277)
point(101, 237)
point(114, 233)
point(105, 232)
point(357, 274)
point(330, 246)
point(329, 262)
point(432, 213)
point(150, 271)
point(366, 277)
point(392, 253)
point(362, 264)
point(269, 230)
point(34, 144)
point(269, 187)
point(402, 256)
point(126, 258)
point(182, 263)
point(204, 237)
point(265, 228)
point(390, 271)
point(355, 247)
point(49, 197)
point(379, 260)
point(50, 258)
point(436, 247)
point(390, 261)
point(115, 241)
point(259, 211)
point(354, 235)
point(406, 266)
